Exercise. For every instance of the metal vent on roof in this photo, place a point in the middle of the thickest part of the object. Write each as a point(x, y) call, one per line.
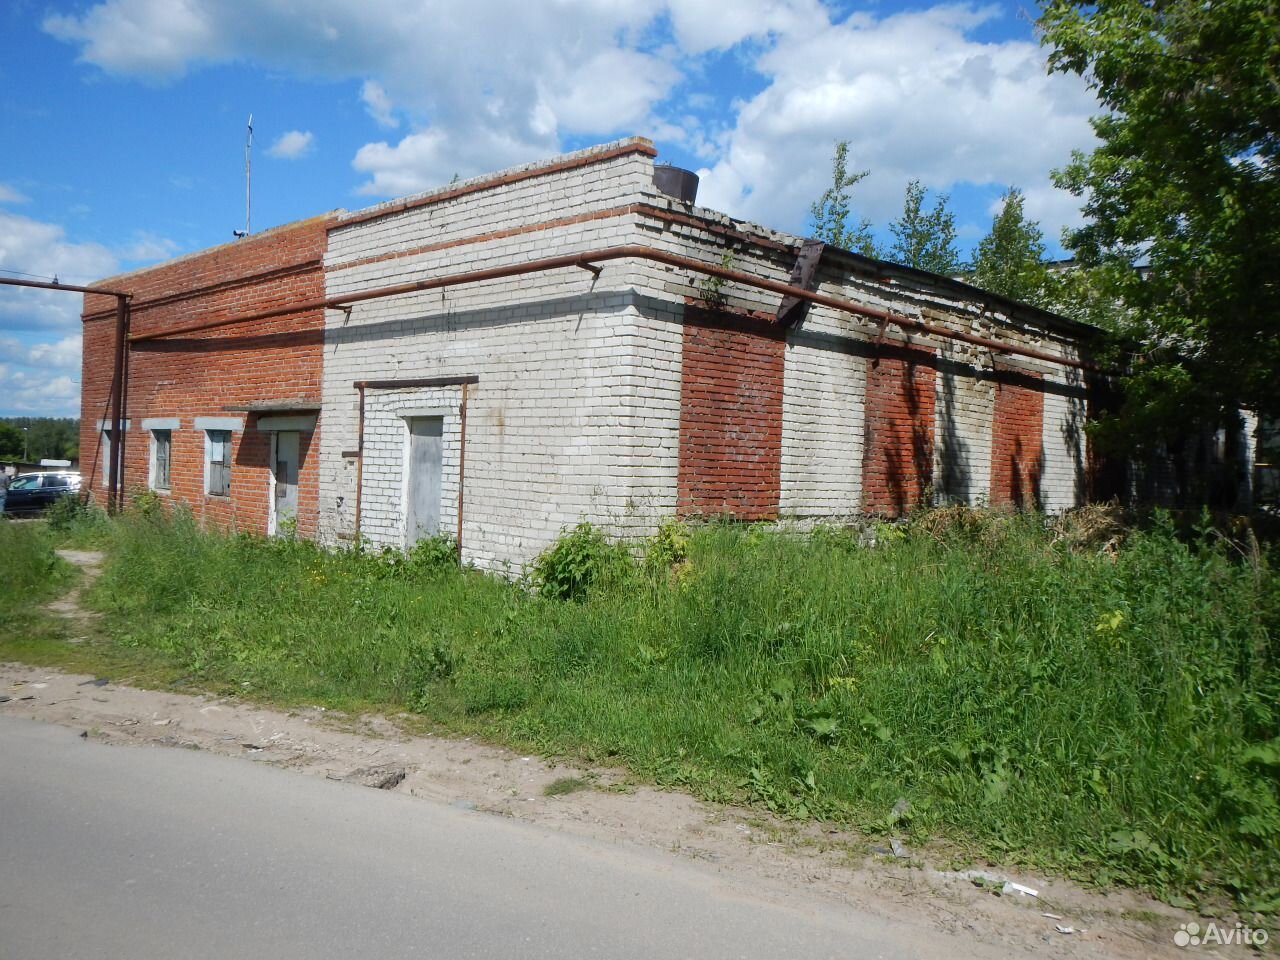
point(676, 182)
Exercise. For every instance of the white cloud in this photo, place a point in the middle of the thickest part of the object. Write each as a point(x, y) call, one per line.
point(40, 355)
point(700, 25)
point(151, 38)
point(39, 358)
point(29, 394)
point(378, 104)
point(431, 158)
point(42, 249)
point(916, 98)
point(9, 195)
point(292, 145)
point(62, 354)
point(511, 73)
point(585, 97)
point(495, 82)
point(148, 248)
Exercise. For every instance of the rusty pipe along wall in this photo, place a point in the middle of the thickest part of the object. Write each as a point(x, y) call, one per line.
point(359, 460)
point(588, 260)
point(462, 464)
point(119, 392)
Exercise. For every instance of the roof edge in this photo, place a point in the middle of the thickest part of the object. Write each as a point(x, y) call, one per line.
point(205, 251)
point(769, 237)
point(488, 181)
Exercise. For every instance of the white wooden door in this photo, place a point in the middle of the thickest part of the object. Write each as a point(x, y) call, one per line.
point(422, 490)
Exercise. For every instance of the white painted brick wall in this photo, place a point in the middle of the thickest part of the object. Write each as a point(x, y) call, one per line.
point(577, 410)
point(1062, 483)
point(965, 398)
point(576, 415)
point(823, 421)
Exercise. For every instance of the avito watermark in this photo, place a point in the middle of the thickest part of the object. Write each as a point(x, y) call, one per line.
point(1194, 935)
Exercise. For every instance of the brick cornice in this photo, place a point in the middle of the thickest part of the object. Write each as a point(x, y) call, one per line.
point(509, 232)
point(517, 176)
point(276, 273)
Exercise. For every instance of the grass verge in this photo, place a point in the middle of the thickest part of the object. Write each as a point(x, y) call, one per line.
point(1108, 714)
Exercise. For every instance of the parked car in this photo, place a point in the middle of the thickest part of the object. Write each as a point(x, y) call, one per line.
point(33, 492)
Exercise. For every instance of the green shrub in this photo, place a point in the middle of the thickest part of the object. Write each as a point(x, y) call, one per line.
point(667, 548)
point(74, 513)
point(574, 563)
point(433, 554)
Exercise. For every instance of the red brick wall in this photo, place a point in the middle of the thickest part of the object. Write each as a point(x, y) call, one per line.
point(1017, 442)
point(897, 464)
point(201, 374)
point(730, 417)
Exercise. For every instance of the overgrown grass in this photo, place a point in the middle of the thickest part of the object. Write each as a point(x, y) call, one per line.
point(30, 572)
point(1111, 714)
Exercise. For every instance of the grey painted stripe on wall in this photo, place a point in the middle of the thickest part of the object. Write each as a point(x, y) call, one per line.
point(234, 424)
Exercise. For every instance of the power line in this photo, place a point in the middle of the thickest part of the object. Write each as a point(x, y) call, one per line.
point(33, 276)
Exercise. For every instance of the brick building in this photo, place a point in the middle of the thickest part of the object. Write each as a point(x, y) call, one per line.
point(506, 356)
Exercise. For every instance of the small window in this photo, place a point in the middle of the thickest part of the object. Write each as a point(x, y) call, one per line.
point(161, 447)
point(218, 463)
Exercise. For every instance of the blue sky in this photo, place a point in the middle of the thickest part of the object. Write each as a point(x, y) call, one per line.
point(123, 121)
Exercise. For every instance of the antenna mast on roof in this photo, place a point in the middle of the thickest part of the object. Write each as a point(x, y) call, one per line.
point(248, 181)
point(248, 175)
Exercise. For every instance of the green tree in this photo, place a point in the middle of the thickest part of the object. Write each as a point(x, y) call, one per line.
point(925, 240)
point(41, 437)
point(1187, 181)
point(831, 214)
point(1089, 294)
point(1010, 259)
point(10, 442)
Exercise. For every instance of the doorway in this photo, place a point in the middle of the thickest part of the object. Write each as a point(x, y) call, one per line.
point(423, 480)
point(285, 448)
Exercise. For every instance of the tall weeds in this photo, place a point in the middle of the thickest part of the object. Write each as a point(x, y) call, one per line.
point(30, 572)
point(1108, 713)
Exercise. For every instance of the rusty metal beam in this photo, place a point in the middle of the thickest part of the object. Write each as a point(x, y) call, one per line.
point(70, 288)
point(462, 463)
point(634, 252)
point(115, 468)
point(420, 382)
point(792, 310)
point(119, 386)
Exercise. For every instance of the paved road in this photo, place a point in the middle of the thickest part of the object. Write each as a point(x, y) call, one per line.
point(135, 852)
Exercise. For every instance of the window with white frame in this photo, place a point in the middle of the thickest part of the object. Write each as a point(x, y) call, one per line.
point(161, 448)
point(217, 464)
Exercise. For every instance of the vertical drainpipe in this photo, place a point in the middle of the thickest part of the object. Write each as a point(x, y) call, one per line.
point(115, 469)
point(359, 461)
point(462, 464)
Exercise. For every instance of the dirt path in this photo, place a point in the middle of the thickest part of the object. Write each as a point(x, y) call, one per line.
point(68, 607)
point(742, 846)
